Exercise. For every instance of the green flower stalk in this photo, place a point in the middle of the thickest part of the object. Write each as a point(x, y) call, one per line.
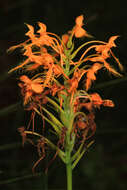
point(56, 88)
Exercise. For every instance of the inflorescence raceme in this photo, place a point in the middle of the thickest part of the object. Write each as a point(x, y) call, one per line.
point(55, 83)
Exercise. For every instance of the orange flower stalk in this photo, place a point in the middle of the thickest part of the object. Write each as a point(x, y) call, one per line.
point(57, 89)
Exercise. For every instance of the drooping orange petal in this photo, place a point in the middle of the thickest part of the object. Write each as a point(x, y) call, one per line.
point(97, 59)
point(108, 103)
point(12, 48)
point(111, 69)
point(88, 83)
point(117, 60)
point(90, 74)
point(32, 67)
point(27, 97)
point(90, 77)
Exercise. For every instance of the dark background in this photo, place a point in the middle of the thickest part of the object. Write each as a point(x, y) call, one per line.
point(105, 165)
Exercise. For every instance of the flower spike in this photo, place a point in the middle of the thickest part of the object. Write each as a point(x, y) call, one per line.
point(55, 85)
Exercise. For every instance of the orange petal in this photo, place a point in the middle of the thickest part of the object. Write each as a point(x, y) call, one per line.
point(111, 69)
point(79, 20)
point(25, 79)
point(42, 29)
point(100, 48)
point(30, 33)
point(96, 97)
point(80, 32)
point(108, 103)
point(65, 38)
point(32, 67)
point(12, 48)
point(96, 67)
point(111, 41)
point(90, 74)
point(88, 83)
point(37, 88)
point(27, 97)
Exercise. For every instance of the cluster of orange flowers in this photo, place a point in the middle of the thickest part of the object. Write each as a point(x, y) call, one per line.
point(54, 62)
point(53, 71)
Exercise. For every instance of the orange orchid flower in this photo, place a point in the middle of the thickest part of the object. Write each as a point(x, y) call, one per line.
point(44, 38)
point(37, 58)
point(97, 101)
point(91, 74)
point(74, 81)
point(78, 30)
point(65, 38)
point(30, 86)
point(44, 59)
point(34, 85)
point(105, 49)
point(105, 64)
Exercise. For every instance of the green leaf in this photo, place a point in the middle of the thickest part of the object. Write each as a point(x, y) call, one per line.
point(80, 154)
point(55, 127)
point(54, 104)
point(53, 118)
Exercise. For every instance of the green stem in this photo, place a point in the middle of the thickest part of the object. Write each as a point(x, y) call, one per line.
point(68, 159)
point(69, 172)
